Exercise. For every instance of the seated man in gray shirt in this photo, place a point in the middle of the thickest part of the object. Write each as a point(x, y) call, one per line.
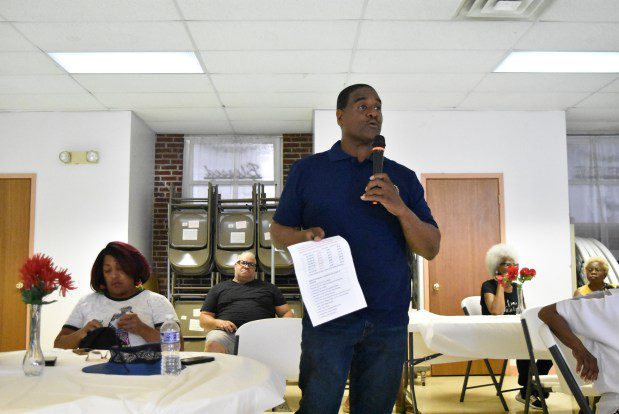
point(232, 303)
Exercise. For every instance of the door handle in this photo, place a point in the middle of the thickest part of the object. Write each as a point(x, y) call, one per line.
point(436, 287)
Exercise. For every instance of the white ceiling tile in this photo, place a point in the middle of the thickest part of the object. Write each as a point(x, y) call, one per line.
point(28, 63)
point(412, 9)
point(612, 87)
point(50, 102)
point(88, 10)
point(601, 100)
point(278, 82)
point(181, 114)
point(270, 114)
point(420, 100)
point(157, 100)
point(419, 82)
point(39, 84)
point(107, 36)
point(582, 11)
point(571, 37)
point(592, 128)
point(272, 127)
point(453, 61)
point(543, 82)
point(280, 100)
point(12, 41)
point(271, 10)
point(521, 101)
point(187, 127)
point(592, 114)
point(455, 35)
point(273, 35)
point(146, 83)
point(277, 61)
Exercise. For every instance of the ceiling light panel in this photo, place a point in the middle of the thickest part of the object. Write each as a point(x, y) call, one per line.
point(128, 62)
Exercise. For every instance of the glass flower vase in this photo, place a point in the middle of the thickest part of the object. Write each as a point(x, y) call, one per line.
point(34, 361)
point(520, 307)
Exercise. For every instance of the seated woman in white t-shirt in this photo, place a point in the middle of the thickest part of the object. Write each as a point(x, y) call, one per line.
point(593, 317)
point(119, 301)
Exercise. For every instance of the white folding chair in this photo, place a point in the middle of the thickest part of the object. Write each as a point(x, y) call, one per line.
point(276, 342)
point(530, 326)
point(472, 306)
point(569, 381)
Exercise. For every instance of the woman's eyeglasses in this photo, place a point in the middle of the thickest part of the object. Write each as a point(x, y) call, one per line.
point(246, 264)
point(508, 264)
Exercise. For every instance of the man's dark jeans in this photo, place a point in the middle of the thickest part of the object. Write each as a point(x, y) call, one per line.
point(373, 354)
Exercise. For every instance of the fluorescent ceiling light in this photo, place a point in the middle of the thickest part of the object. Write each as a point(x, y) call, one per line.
point(561, 62)
point(128, 62)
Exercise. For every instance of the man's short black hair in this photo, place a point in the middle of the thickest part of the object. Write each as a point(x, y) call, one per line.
point(342, 98)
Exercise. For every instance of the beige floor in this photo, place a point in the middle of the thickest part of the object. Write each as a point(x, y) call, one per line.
point(441, 395)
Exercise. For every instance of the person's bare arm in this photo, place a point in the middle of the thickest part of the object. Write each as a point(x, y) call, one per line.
point(422, 238)
point(284, 236)
point(586, 364)
point(70, 339)
point(209, 322)
point(284, 311)
point(496, 303)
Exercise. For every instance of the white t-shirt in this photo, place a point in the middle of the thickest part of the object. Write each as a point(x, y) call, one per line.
point(150, 307)
point(597, 321)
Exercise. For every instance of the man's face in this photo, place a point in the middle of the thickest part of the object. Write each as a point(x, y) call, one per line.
point(243, 270)
point(361, 119)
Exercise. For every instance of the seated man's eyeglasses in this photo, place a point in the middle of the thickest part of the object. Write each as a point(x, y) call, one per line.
point(246, 264)
point(508, 264)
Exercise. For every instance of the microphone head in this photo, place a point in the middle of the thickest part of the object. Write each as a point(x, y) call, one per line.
point(378, 141)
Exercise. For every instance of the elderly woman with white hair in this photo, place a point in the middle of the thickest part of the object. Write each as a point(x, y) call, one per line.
point(499, 297)
point(596, 270)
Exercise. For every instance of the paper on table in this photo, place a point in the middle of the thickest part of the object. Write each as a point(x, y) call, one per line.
point(327, 279)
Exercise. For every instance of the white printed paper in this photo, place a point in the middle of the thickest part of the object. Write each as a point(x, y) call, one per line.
point(196, 313)
point(183, 317)
point(231, 226)
point(267, 235)
point(241, 225)
point(190, 234)
point(237, 237)
point(193, 224)
point(327, 279)
point(194, 325)
point(184, 223)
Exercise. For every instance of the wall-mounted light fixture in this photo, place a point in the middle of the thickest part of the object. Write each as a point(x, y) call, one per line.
point(79, 157)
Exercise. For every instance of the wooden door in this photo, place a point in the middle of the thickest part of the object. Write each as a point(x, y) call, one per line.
point(468, 211)
point(16, 216)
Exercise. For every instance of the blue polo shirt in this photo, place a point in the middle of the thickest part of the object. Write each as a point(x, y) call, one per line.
point(324, 190)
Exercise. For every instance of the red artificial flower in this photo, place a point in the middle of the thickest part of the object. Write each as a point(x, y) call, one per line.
point(40, 277)
point(512, 273)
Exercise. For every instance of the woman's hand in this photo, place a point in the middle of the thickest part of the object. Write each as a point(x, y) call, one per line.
point(131, 322)
point(90, 326)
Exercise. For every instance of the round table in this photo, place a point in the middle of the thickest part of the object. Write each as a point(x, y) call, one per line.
point(230, 384)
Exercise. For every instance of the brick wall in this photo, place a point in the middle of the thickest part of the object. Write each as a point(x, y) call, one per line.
point(296, 146)
point(169, 172)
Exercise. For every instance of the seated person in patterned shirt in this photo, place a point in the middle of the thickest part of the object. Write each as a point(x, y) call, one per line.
point(232, 303)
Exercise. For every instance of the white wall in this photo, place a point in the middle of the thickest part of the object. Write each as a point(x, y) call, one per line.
point(141, 184)
point(529, 148)
point(78, 208)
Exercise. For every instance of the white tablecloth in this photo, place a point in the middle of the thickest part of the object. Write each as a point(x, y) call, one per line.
point(472, 337)
point(230, 384)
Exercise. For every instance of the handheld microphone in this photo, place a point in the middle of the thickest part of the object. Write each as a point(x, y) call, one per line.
point(378, 149)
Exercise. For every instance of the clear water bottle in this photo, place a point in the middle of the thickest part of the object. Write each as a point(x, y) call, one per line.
point(170, 347)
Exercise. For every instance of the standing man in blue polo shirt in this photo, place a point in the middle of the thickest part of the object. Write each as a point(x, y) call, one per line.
point(329, 194)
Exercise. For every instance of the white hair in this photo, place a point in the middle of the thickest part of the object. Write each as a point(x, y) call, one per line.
point(496, 254)
point(248, 253)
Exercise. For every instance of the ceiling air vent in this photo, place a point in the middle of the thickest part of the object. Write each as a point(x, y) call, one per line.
point(501, 9)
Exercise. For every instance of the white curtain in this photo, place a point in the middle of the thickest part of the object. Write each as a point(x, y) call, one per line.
point(593, 168)
point(233, 163)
